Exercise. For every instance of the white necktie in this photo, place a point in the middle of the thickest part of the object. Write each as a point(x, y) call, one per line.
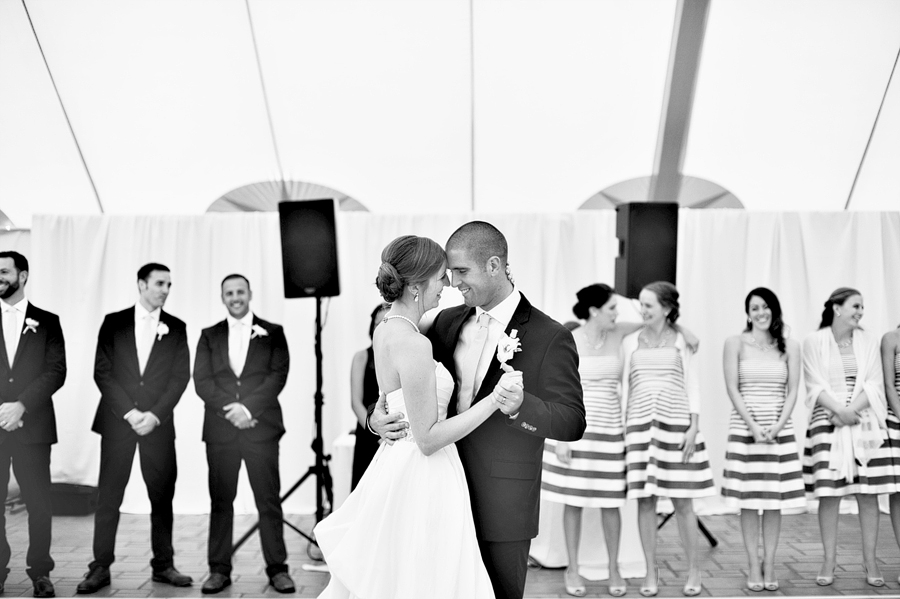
point(145, 342)
point(10, 333)
point(237, 353)
point(469, 368)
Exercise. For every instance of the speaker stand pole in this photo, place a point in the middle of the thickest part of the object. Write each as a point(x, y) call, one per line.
point(320, 469)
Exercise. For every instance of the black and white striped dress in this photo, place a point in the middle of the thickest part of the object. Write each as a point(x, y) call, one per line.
point(596, 475)
point(762, 476)
point(874, 478)
point(656, 418)
point(893, 427)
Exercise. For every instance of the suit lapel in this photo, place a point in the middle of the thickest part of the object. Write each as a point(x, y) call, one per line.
point(220, 340)
point(518, 322)
point(254, 341)
point(453, 339)
point(24, 339)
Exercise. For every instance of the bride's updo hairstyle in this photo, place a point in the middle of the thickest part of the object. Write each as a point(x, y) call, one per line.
point(408, 260)
point(667, 295)
point(592, 296)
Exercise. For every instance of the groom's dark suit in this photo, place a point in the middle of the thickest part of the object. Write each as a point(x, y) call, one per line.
point(502, 457)
point(38, 371)
point(123, 388)
point(263, 377)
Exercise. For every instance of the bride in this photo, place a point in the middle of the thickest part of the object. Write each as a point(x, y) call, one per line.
point(407, 529)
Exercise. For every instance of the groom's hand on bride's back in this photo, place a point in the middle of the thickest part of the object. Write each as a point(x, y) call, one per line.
point(389, 427)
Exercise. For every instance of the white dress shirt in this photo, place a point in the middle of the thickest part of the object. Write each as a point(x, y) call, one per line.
point(144, 337)
point(500, 317)
point(19, 310)
point(239, 332)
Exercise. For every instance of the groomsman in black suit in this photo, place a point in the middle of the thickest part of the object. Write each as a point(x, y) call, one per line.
point(240, 368)
point(142, 367)
point(541, 398)
point(32, 368)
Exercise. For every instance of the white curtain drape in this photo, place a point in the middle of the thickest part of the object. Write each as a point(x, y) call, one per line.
point(84, 267)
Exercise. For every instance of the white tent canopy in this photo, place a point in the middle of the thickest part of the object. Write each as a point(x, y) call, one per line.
point(437, 107)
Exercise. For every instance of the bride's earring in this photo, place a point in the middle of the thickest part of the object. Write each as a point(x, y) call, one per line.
point(416, 299)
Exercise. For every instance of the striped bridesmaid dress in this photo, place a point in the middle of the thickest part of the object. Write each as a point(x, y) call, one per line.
point(657, 416)
point(596, 475)
point(893, 427)
point(874, 478)
point(762, 476)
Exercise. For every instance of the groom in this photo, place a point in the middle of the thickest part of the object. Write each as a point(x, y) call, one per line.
point(542, 398)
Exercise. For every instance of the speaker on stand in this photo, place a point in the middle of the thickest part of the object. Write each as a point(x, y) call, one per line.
point(310, 268)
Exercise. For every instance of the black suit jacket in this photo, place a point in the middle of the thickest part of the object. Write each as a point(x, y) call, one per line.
point(118, 375)
point(502, 457)
point(38, 371)
point(262, 379)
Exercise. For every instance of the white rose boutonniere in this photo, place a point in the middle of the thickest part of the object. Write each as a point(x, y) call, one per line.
point(161, 329)
point(258, 331)
point(507, 346)
point(31, 325)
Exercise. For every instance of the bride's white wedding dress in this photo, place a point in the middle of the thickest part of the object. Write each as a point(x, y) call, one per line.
point(406, 531)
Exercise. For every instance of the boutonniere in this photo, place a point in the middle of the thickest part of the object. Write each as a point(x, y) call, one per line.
point(161, 329)
point(507, 346)
point(31, 325)
point(258, 331)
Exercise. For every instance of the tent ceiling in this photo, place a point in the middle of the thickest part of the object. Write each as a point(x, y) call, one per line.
point(375, 99)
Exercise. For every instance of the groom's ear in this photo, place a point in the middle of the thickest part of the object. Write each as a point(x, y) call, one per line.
point(493, 265)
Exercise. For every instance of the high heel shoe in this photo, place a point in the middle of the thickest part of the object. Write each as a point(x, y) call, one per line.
point(576, 590)
point(692, 590)
point(618, 590)
point(651, 591)
point(823, 581)
point(754, 585)
point(873, 581)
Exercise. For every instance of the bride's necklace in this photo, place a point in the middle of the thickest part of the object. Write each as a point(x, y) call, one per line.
point(387, 318)
point(659, 342)
point(598, 344)
point(752, 341)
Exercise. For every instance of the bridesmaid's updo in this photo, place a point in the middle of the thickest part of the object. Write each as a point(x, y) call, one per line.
point(592, 296)
point(837, 298)
point(667, 295)
point(408, 260)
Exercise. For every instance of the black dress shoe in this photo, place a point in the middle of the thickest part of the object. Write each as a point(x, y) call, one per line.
point(215, 583)
point(173, 577)
point(282, 582)
point(96, 579)
point(43, 587)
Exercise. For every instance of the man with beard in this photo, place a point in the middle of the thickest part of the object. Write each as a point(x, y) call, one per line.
point(241, 367)
point(142, 367)
point(32, 368)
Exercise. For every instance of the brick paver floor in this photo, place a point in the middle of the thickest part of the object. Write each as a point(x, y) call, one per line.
point(724, 567)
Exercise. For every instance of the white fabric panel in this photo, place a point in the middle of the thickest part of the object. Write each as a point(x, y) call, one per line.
point(723, 254)
point(164, 98)
point(568, 98)
point(371, 98)
point(40, 170)
point(786, 97)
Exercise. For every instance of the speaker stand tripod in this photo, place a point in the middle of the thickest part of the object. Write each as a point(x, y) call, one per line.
point(320, 468)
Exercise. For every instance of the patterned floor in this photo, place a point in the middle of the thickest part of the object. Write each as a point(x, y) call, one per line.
point(724, 567)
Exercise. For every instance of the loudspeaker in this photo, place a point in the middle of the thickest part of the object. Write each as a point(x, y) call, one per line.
point(309, 248)
point(648, 245)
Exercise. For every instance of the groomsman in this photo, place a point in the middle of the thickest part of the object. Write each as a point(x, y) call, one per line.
point(240, 368)
point(32, 368)
point(142, 367)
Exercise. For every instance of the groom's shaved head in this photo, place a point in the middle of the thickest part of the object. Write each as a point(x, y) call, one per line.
point(480, 240)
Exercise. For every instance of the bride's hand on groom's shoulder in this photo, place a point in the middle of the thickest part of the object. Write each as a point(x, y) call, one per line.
point(389, 427)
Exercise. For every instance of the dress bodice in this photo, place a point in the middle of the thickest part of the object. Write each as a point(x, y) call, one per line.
point(444, 381)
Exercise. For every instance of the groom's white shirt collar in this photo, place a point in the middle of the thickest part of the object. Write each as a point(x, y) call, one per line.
point(503, 312)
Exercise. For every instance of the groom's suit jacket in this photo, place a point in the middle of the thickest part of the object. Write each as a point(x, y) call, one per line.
point(122, 386)
point(502, 457)
point(262, 379)
point(38, 371)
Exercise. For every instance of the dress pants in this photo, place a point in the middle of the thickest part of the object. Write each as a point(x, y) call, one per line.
point(507, 566)
point(31, 463)
point(159, 469)
point(261, 459)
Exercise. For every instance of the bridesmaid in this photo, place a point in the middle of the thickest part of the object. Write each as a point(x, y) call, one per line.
point(845, 451)
point(665, 454)
point(762, 466)
point(890, 360)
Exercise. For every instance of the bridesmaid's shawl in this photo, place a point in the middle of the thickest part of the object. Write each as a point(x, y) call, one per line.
point(824, 373)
